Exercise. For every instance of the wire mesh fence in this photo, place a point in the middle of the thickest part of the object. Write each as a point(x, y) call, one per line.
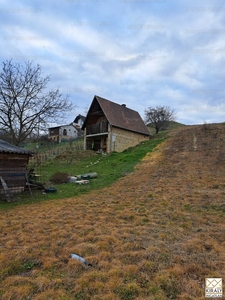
point(19, 184)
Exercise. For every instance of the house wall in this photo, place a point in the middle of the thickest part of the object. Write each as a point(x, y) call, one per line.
point(122, 139)
point(116, 140)
point(71, 132)
point(13, 168)
point(53, 134)
point(54, 131)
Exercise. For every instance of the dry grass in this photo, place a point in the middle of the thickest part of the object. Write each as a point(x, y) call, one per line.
point(157, 233)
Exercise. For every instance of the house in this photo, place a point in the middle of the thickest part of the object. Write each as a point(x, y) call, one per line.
point(78, 123)
point(63, 133)
point(13, 167)
point(69, 132)
point(79, 120)
point(112, 127)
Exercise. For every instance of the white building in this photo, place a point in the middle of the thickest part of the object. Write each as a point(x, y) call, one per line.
point(69, 132)
point(63, 133)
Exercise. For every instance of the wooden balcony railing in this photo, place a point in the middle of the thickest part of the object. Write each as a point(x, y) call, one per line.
point(97, 128)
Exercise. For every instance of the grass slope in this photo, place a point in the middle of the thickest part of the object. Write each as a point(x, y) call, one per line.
point(75, 162)
point(155, 233)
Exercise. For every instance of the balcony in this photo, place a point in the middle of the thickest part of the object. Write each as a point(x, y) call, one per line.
point(101, 127)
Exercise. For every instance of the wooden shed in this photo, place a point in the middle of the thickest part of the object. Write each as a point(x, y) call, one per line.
point(13, 168)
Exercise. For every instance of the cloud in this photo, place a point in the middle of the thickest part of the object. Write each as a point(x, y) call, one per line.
point(151, 53)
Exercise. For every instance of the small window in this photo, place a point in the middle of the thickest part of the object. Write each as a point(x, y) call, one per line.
point(64, 132)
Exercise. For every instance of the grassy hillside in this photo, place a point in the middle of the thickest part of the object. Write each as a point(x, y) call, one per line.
point(155, 233)
point(109, 168)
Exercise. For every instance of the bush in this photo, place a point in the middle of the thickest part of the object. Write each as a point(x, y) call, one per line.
point(59, 178)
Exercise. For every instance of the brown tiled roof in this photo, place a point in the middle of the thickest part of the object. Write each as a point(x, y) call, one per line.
point(122, 116)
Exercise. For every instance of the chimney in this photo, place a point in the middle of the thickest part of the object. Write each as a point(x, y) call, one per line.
point(124, 105)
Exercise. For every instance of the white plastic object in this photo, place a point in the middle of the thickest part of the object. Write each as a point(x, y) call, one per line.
point(79, 258)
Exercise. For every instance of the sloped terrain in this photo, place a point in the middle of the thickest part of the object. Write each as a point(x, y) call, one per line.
point(156, 233)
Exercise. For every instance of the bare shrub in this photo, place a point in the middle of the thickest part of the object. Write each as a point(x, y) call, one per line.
point(59, 178)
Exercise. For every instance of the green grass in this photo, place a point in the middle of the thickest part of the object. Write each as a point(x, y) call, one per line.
point(49, 145)
point(109, 168)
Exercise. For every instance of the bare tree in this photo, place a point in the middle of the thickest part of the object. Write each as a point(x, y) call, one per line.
point(86, 108)
point(159, 116)
point(25, 105)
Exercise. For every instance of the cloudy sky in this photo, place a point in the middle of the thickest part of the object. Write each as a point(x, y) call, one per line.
point(139, 52)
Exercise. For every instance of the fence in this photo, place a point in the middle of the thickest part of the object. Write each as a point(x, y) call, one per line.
point(17, 182)
point(41, 157)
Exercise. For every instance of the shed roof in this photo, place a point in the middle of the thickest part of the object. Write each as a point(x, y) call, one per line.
point(6, 147)
point(120, 116)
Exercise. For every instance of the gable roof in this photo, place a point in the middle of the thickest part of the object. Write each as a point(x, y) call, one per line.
point(79, 117)
point(5, 147)
point(119, 115)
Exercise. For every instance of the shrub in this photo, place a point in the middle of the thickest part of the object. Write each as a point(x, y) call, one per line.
point(59, 177)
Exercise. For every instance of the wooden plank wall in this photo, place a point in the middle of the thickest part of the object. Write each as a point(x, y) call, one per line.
point(13, 168)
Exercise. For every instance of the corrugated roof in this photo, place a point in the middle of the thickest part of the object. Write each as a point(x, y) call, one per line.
point(122, 116)
point(5, 147)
